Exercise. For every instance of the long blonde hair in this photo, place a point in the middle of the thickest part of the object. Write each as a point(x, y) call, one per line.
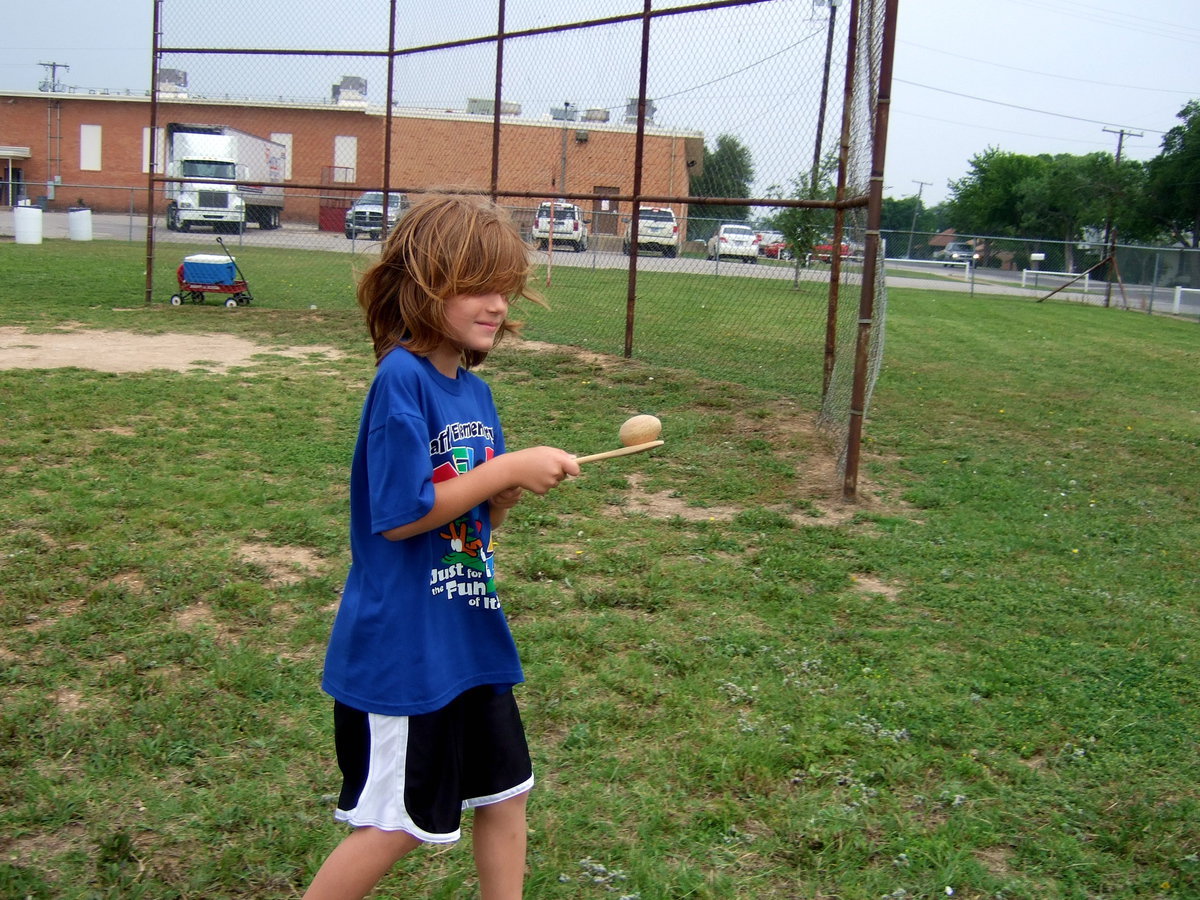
point(443, 247)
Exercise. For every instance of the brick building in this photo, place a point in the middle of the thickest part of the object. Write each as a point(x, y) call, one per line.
point(94, 149)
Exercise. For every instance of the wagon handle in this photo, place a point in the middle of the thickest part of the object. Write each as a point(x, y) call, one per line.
point(236, 267)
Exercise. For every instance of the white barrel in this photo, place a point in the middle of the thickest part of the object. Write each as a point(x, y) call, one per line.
point(27, 224)
point(79, 224)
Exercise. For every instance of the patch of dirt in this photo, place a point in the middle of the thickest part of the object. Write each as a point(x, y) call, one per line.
point(124, 351)
point(600, 360)
point(285, 565)
point(68, 700)
point(67, 609)
point(131, 581)
point(43, 846)
point(997, 860)
point(193, 618)
point(1037, 762)
point(865, 584)
point(664, 505)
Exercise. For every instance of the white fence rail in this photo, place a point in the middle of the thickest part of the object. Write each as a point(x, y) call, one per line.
point(900, 262)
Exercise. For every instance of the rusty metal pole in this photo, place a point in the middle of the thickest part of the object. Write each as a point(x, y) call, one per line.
point(496, 98)
point(387, 115)
point(150, 181)
point(638, 153)
point(839, 216)
point(866, 308)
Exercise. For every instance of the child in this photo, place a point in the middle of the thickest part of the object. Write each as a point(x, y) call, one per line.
point(421, 663)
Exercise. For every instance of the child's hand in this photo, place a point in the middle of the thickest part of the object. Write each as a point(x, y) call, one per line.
point(539, 469)
point(507, 499)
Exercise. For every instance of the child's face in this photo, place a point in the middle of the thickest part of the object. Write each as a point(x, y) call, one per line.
point(473, 320)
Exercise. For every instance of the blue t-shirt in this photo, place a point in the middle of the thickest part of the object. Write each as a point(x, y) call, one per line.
point(419, 621)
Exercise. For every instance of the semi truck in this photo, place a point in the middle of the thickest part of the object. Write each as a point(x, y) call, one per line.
point(210, 159)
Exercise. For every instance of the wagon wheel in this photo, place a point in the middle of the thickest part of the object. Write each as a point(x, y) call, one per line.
point(231, 302)
point(176, 300)
point(196, 296)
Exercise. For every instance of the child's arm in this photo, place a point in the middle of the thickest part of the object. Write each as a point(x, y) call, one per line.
point(537, 469)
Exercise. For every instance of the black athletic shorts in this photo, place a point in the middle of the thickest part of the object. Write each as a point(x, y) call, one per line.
point(418, 773)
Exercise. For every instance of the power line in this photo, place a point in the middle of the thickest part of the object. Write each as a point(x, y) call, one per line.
point(1124, 21)
point(987, 62)
point(994, 130)
point(1044, 112)
point(746, 68)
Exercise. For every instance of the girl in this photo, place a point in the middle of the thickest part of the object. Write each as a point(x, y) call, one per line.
point(421, 662)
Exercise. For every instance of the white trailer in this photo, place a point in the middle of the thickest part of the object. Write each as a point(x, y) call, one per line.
point(211, 158)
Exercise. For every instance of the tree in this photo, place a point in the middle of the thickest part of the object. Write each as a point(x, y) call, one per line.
point(1173, 188)
point(907, 217)
point(802, 228)
point(1065, 195)
point(988, 200)
point(728, 172)
point(1056, 198)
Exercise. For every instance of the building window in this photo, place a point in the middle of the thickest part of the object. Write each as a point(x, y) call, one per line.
point(345, 157)
point(89, 148)
point(285, 138)
point(160, 146)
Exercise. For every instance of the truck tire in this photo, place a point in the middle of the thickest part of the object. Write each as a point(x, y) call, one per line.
point(174, 223)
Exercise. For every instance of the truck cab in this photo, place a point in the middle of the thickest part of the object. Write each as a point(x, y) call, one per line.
point(206, 198)
point(210, 161)
point(366, 215)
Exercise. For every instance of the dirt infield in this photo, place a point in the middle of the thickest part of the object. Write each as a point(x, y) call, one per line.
point(123, 351)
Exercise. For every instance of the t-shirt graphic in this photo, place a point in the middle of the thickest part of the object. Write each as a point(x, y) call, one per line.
point(468, 568)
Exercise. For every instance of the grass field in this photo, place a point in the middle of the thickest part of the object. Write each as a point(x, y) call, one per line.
point(980, 682)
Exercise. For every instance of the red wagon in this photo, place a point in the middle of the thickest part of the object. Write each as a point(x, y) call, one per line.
point(210, 274)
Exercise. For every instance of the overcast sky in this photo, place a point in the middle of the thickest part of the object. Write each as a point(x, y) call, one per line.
point(1027, 76)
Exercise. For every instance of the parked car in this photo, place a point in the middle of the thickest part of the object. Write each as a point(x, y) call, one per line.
point(365, 215)
point(737, 241)
point(824, 252)
point(957, 253)
point(776, 250)
point(773, 245)
point(658, 231)
point(564, 222)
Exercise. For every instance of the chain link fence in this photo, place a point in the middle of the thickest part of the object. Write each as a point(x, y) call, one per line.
point(701, 174)
point(1151, 279)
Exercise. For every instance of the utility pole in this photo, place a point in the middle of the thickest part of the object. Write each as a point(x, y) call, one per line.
point(816, 161)
point(916, 209)
point(52, 86)
point(1110, 233)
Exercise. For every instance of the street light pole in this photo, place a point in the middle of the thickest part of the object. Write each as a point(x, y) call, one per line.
point(916, 209)
point(562, 184)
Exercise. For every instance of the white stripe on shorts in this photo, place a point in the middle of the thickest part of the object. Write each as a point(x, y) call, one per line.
point(381, 803)
point(521, 788)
